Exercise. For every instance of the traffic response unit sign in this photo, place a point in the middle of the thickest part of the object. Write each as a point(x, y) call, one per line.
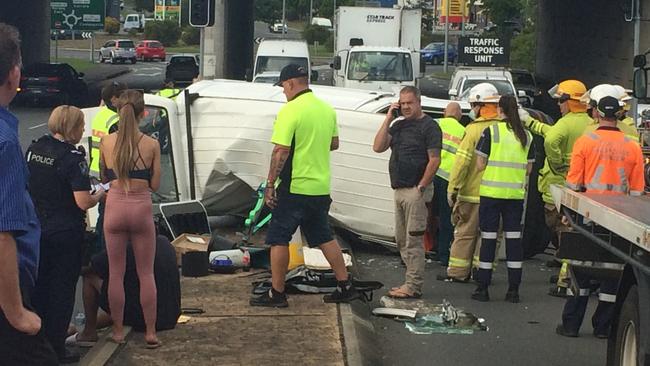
point(483, 51)
point(77, 14)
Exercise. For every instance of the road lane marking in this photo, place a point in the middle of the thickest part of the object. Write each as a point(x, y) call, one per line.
point(38, 126)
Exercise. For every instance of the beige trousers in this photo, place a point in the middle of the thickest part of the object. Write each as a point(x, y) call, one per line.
point(467, 238)
point(410, 224)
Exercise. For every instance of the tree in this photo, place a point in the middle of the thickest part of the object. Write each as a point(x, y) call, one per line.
point(501, 11)
point(141, 5)
point(268, 11)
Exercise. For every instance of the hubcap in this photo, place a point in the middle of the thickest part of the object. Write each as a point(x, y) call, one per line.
point(629, 347)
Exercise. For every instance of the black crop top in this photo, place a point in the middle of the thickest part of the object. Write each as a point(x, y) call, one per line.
point(144, 174)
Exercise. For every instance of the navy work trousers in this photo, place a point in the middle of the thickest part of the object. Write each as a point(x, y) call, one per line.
point(491, 211)
point(58, 272)
point(443, 211)
point(576, 306)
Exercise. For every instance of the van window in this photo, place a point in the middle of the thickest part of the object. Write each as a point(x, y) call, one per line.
point(276, 63)
point(155, 123)
point(126, 44)
point(131, 18)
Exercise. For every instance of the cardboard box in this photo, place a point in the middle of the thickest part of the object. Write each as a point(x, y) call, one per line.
point(190, 243)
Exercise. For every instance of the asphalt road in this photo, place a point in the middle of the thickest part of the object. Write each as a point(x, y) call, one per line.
point(519, 334)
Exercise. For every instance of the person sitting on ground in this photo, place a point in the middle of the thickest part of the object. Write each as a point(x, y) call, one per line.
point(95, 294)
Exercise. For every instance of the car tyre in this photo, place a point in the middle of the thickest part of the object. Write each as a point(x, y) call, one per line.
point(101, 58)
point(435, 61)
point(133, 61)
point(113, 60)
point(625, 337)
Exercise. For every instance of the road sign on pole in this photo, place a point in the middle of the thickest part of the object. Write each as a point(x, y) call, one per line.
point(77, 14)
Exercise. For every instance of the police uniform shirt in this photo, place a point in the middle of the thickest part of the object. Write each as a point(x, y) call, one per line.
point(57, 169)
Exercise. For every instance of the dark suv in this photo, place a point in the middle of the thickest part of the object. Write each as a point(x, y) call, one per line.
point(52, 82)
point(183, 68)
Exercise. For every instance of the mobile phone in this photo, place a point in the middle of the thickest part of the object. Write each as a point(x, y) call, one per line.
point(396, 113)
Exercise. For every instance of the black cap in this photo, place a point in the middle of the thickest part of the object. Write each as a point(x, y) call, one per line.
point(608, 107)
point(291, 71)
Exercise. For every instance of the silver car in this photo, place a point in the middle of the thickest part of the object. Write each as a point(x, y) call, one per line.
point(118, 50)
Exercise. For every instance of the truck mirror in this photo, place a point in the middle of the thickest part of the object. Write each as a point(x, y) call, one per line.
point(521, 93)
point(337, 63)
point(249, 75)
point(640, 87)
point(639, 61)
point(314, 76)
point(453, 92)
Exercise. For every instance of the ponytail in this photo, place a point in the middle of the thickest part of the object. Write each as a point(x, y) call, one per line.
point(130, 106)
point(508, 105)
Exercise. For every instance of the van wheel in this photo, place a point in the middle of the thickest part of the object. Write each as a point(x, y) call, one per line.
point(133, 60)
point(113, 60)
point(623, 350)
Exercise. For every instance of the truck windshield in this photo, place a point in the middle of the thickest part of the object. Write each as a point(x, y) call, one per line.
point(276, 63)
point(380, 66)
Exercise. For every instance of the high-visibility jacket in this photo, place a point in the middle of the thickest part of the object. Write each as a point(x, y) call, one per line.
point(452, 134)
point(102, 122)
point(558, 144)
point(169, 93)
point(464, 177)
point(607, 162)
point(628, 130)
point(505, 174)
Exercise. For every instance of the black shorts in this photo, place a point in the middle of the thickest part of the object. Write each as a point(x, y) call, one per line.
point(311, 213)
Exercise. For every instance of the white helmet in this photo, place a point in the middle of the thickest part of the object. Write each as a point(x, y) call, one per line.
point(623, 94)
point(484, 93)
point(593, 95)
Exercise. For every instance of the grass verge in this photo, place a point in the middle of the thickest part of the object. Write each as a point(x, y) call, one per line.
point(81, 65)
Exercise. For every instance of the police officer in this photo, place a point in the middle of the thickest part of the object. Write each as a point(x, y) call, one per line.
point(60, 188)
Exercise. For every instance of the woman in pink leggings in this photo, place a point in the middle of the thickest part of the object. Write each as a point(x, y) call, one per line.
point(130, 160)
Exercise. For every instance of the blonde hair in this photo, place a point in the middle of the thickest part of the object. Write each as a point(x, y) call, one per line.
point(130, 106)
point(66, 120)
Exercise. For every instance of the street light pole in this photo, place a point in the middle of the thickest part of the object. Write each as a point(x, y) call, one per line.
point(284, 18)
point(446, 58)
point(311, 10)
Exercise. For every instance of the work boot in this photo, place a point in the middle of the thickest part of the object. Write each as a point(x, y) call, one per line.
point(345, 292)
point(270, 299)
point(481, 294)
point(558, 291)
point(446, 278)
point(512, 295)
point(561, 330)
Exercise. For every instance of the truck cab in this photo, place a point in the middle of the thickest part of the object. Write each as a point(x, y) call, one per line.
point(375, 68)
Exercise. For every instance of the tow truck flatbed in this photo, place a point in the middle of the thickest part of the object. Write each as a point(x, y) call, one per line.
point(627, 216)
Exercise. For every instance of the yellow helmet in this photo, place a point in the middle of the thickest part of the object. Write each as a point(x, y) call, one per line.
point(568, 89)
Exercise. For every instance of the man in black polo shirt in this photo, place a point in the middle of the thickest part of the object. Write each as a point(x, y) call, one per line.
point(415, 140)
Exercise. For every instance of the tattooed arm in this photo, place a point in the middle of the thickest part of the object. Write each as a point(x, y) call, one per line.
point(278, 159)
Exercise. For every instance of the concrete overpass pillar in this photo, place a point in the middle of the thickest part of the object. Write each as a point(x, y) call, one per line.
point(588, 40)
point(228, 45)
point(33, 22)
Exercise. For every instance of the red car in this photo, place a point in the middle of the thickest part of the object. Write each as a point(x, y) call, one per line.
point(149, 50)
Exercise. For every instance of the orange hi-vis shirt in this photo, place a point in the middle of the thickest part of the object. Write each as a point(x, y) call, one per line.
point(607, 162)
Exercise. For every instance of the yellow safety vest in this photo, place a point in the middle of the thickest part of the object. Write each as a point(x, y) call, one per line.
point(169, 93)
point(452, 134)
point(505, 174)
point(102, 122)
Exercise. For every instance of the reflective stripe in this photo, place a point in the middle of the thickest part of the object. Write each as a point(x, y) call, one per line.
point(513, 234)
point(584, 292)
point(569, 292)
point(495, 133)
point(94, 144)
point(594, 136)
point(458, 262)
point(606, 297)
point(110, 121)
point(484, 265)
point(622, 177)
point(449, 148)
point(636, 193)
point(491, 183)
point(488, 235)
point(442, 174)
point(514, 265)
point(506, 164)
point(595, 182)
point(481, 153)
point(575, 187)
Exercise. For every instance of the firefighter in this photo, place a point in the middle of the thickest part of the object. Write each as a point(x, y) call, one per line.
point(464, 181)
point(607, 162)
point(624, 96)
point(452, 133)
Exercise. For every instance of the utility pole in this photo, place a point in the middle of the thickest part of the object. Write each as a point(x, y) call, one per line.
point(284, 18)
point(311, 10)
point(446, 59)
point(637, 40)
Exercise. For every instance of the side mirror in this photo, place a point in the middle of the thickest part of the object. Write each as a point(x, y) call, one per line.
point(640, 87)
point(521, 93)
point(337, 63)
point(314, 76)
point(453, 92)
point(249, 75)
point(524, 101)
point(81, 74)
point(639, 61)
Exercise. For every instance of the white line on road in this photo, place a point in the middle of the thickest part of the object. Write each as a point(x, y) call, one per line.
point(38, 126)
point(154, 74)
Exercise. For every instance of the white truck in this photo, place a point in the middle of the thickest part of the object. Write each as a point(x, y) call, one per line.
point(464, 78)
point(377, 48)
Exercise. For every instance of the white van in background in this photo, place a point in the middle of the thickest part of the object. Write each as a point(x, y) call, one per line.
point(274, 54)
point(323, 22)
point(134, 21)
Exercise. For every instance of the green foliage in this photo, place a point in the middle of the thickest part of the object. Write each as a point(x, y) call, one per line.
point(501, 11)
point(141, 5)
point(111, 25)
point(166, 31)
point(523, 50)
point(133, 32)
point(315, 33)
point(268, 11)
point(191, 36)
point(427, 38)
